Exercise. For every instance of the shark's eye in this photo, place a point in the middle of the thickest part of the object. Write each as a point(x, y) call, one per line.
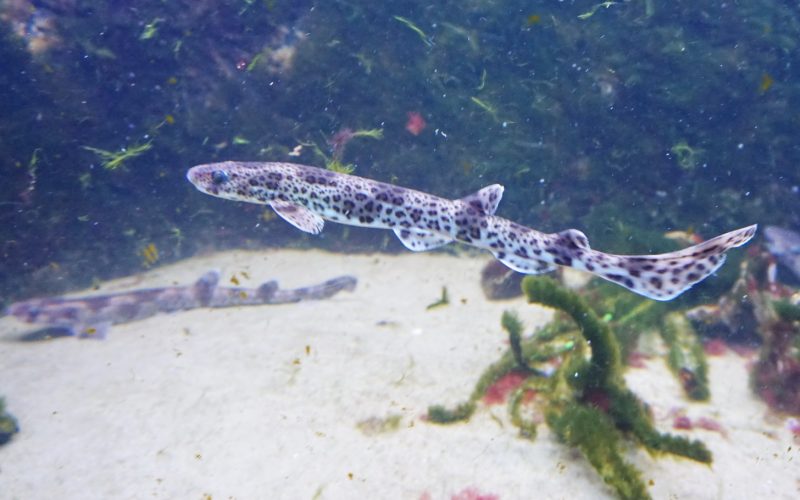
point(219, 177)
point(33, 313)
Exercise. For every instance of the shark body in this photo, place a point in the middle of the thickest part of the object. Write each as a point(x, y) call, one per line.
point(307, 196)
point(93, 316)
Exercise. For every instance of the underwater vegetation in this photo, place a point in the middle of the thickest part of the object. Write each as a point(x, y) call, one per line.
point(8, 424)
point(112, 160)
point(629, 317)
point(338, 143)
point(760, 311)
point(574, 377)
point(776, 375)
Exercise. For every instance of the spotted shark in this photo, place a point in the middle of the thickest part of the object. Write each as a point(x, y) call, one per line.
point(306, 196)
point(93, 316)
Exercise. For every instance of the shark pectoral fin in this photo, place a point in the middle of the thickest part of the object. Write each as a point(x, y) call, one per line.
point(267, 291)
point(299, 216)
point(525, 266)
point(420, 241)
point(91, 330)
point(485, 200)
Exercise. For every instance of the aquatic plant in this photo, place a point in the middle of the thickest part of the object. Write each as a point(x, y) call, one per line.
point(759, 310)
point(113, 160)
point(585, 400)
point(595, 8)
point(686, 358)
point(416, 29)
point(338, 142)
point(776, 374)
point(443, 300)
point(688, 157)
point(630, 317)
point(8, 424)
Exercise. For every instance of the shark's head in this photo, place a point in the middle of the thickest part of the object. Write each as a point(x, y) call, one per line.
point(27, 311)
point(217, 179)
point(252, 182)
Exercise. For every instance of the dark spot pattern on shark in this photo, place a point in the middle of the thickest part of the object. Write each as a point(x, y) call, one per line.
point(424, 221)
point(93, 316)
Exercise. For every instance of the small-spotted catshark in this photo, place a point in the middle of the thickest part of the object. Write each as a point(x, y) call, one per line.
point(304, 196)
point(93, 316)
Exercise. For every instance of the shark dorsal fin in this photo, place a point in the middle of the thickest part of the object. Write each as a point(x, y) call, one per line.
point(486, 199)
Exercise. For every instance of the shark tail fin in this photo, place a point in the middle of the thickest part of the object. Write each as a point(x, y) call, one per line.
point(665, 276)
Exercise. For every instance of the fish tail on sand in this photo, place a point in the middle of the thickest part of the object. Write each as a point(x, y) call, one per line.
point(665, 276)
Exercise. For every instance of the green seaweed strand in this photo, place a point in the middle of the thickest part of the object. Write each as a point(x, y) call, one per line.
point(606, 367)
point(8, 424)
point(592, 432)
point(786, 310)
point(630, 414)
point(686, 359)
point(511, 323)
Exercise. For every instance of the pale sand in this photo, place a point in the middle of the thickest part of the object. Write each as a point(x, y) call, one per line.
point(227, 402)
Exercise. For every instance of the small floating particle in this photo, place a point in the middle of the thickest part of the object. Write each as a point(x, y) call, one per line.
point(149, 255)
point(766, 83)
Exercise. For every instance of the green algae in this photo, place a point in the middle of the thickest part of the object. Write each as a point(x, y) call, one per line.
point(585, 399)
point(113, 160)
point(686, 358)
point(631, 316)
point(786, 310)
point(592, 432)
point(688, 158)
point(8, 424)
point(442, 301)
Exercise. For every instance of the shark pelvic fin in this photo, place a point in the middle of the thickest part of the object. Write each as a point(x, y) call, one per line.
point(420, 241)
point(525, 266)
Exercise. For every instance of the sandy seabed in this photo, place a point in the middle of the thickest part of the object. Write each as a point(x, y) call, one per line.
point(265, 402)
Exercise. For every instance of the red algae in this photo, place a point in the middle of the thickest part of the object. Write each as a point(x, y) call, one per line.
point(715, 347)
point(339, 140)
point(682, 422)
point(637, 359)
point(472, 493)
point(498, 392)
point(416, 123)
point(710, 424)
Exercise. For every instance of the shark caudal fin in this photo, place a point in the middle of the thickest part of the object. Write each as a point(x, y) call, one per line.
point(667, 275)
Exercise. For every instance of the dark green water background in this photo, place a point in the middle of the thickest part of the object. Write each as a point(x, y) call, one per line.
point(645, 117)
